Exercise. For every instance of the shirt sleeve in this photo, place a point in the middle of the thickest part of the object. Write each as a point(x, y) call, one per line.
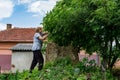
point(37, 35)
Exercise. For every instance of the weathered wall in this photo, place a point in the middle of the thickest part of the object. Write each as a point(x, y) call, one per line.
point(5, 63)
point(5, 56)
point(21, 61)
point(54, 51)
point(6, 46)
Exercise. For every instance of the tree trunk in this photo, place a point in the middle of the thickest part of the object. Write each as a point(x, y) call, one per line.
point(103, 69)
point(75, 52)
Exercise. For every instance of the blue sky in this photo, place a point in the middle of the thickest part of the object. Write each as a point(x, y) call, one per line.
point(24, 13)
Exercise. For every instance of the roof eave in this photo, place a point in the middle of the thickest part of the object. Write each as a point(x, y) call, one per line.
point(17, 41)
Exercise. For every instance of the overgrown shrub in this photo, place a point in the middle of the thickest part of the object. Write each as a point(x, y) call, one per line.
point(61, 69)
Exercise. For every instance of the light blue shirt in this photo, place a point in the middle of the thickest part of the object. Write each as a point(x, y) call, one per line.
point(37, 43)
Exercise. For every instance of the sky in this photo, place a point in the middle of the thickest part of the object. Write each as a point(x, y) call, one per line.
point(24, 13)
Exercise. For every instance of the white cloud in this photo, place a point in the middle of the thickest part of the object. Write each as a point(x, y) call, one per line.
point(6, 8)
point(2, 26)
point(41, 7)
point(24, 1)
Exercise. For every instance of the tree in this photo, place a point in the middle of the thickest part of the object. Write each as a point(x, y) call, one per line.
point(90, 24)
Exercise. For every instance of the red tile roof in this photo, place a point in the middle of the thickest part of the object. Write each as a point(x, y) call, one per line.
point(17, 35)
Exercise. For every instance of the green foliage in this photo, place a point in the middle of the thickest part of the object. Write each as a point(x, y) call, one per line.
point(81, 77)
point(61, 69)
point(44, 47)
point(87, 66)
point(64, 70)
point(3, 77)
point(91, 24)
point(63, 61)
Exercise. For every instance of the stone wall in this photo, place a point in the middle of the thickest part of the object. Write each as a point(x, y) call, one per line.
point(54, 51)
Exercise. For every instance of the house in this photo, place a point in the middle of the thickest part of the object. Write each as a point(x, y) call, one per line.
point(23, 61)
point(82, 54)
point(22, 56)
point(9, 38)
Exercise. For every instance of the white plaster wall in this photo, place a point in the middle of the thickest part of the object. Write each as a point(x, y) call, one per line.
point(22, 61)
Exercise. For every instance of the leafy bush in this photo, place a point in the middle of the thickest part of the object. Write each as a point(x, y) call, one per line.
point(87, 66)
point(61, 69)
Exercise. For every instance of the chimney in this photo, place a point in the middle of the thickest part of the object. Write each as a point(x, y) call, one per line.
point(9, 26)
